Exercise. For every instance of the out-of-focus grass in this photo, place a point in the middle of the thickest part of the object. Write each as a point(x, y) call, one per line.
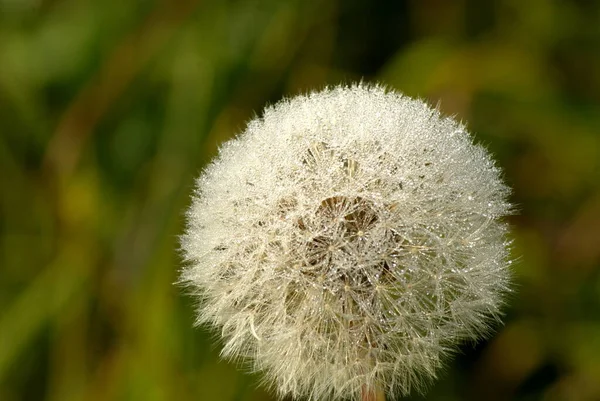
point(108, 110)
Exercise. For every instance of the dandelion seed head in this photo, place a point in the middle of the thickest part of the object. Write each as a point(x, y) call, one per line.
point(348, 239)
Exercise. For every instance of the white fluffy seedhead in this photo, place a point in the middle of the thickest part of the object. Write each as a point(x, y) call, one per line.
point(346, 241)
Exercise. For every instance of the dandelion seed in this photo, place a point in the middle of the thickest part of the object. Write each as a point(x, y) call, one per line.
point(346, 242)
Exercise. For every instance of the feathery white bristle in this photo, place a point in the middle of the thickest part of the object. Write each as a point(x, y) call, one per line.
point(348, 239)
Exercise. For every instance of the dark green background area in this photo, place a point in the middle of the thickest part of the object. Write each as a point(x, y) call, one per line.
point(109, 110)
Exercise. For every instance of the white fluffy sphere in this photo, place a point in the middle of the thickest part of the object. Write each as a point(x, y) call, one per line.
point(346, 241)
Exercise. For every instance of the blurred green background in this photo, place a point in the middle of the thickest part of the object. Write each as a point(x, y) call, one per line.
point(109, 110)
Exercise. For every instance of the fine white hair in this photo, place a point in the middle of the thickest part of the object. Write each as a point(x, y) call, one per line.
point(347, 241)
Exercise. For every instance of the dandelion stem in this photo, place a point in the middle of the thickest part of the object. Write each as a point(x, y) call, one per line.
point(372, 394)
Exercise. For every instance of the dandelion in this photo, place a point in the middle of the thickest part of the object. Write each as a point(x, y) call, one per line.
point(346, 242)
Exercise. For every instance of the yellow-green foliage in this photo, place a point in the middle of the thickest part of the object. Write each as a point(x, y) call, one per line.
point(109, 110)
